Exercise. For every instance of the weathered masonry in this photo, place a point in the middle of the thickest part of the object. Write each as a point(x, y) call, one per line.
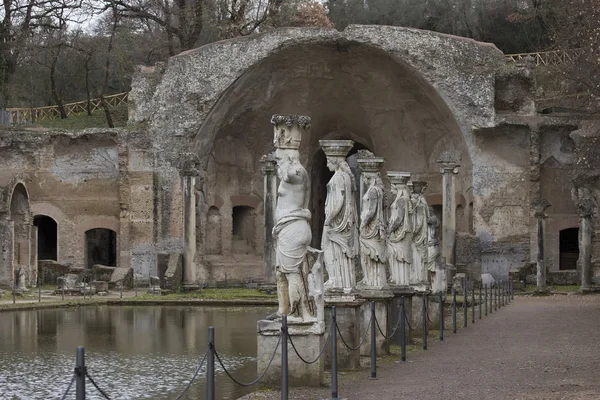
point(118, 197)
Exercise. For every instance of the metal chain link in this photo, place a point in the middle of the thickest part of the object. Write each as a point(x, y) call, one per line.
point(64, 396)
point(362, 341)
point(393, 330)
point(410, 328)
point(254, 382)
point(96, 386)
point(193, 377)
point(320, 352)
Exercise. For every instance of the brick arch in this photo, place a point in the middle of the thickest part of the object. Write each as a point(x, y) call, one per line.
point(49, 210)
point(111, 223)
point(249, 200)
point(562, 224)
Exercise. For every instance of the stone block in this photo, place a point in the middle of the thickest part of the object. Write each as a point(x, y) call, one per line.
point(102, 272)
point(487, 279)
point(570, 277)
point(172, 277)
point(100, 286)
point(382, 299)
point(531, 279)
point(402, 298)
point(51, 270)
point(350, 326)
point(121, 274)
point(308, 339)
point(458, 282)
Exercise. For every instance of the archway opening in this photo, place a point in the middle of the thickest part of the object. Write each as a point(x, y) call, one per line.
point(243, 232)
point(47, 243)
point(569, 248)
point(101, 247)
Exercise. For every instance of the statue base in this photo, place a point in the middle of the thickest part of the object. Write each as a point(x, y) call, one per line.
point(348, 307)
point(433, 311)
point(382, 299)
point(403, 296)
point(308, 337)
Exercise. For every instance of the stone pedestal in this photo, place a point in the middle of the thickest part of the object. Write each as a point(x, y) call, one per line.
point(348, 311)
point(403, 295)
point(308, 338)
point(433, 309)
point(382, 299)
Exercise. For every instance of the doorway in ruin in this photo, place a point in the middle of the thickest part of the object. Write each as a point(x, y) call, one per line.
point(243, 232)
point(101, 247)
point(569, 248)
point(47, 243)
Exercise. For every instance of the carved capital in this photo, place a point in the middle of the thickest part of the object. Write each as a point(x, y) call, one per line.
point(189, 164)
point(288, 130)
point(336, 148)
point(368, 163)
point(539, 207)
point(450, 161)
point(584, 201)
point(268, 164)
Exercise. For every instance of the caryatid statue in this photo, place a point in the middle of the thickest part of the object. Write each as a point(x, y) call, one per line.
point(340, 230)
point(400, 230)
point(292, 231)
point(372, 221)
point(418, 272)
point(435, 267)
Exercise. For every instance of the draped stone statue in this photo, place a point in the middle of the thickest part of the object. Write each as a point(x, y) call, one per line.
point(418, 272)
point(400, 227)
point(372, 222)
point(435, 266)
point(292, 233)
point(340, 230)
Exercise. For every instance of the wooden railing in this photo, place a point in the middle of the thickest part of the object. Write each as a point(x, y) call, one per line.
point(19, 115)
point(554, 57)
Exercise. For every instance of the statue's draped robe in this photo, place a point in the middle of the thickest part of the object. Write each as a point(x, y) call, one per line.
point(419, 267)
point(400, 241)
point(340, 237)
point(293, 236)
point(372, 238)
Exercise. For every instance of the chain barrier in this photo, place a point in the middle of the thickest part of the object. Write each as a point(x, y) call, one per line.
point(410, 328)
point(320, 352)
point(254, 382)
point(193, 377)
point(64, 396)
point(393, 330)
point(361, 342)
point(96, 386)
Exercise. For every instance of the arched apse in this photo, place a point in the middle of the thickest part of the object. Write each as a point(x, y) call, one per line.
point(353, 92)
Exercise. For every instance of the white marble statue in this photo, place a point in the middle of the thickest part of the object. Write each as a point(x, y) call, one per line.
point(435, 266)
point(418, 271)
point(292, 232)
point(340, 230)
point(399, 240)
point(372, 222)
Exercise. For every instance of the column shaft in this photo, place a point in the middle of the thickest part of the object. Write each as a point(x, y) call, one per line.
point(189, 227)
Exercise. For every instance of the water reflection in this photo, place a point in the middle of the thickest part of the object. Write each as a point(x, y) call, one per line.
point(131, 352)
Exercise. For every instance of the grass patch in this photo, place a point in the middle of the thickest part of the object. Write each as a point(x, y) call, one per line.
point(96, 120)
point(213, 294)
point(554, 288)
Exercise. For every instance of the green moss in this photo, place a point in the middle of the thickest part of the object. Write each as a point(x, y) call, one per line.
point(96, 120)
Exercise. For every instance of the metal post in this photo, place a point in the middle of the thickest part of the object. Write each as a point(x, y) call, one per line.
point(465, 297)
point(504, 294)
point(284, 358)
point(454, 310)
point(210, 365)
point(480, 301)
point(441, 317)
point(334, 377)
point(495, 299)
point(512, 291)
point(39, 289)
point(80, 372)
point(424, 322)
point(486, 299)
point(63, 289)
point(121, 290)
point(473, 304)
point(14, 288)
point(403, 331)
point(373, 343)
point(134, 283)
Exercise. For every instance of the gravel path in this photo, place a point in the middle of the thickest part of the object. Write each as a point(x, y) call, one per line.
point(535, 348)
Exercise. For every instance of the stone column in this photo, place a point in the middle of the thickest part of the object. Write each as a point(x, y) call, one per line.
point(189, 173)
point(449, 168)
point(34, 257)
point(7, 237)
point(586, 208)
point(269, 171)
point(540, 207)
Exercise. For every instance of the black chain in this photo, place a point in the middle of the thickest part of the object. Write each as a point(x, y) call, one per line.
point(254, 382)
point(96, 386)
point(64, 396)
point(193, 377)
point(393, 330)
point(362, 341)
point(320, 352)
point(408, 322)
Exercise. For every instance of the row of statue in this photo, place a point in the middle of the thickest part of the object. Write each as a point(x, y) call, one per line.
point(407, 241)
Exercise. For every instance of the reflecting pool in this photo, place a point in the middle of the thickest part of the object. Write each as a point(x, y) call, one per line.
point(141, 352)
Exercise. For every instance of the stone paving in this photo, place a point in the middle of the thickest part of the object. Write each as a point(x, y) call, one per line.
point(535, 348)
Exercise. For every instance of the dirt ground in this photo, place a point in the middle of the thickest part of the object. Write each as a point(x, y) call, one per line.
point(534, 348)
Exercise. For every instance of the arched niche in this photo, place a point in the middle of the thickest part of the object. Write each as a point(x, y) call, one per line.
point(357, 92)
point(100, 247)
point(20, 214)
point(214, 238)
point(47, 240)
